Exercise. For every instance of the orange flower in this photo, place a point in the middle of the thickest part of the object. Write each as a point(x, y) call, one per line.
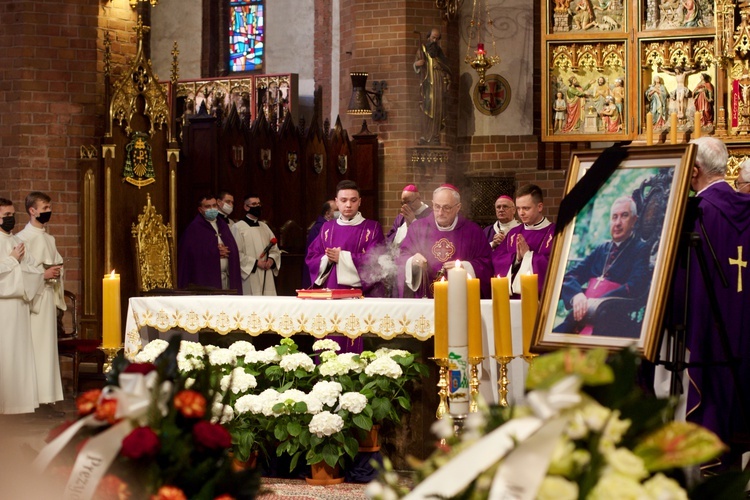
point(225, 496)
point(106, 410)
point(86, 402)
point(190, 403)
point(112, 487)
point(169, 493)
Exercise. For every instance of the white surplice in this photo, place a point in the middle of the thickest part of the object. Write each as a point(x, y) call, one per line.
point(19, 285)
point(41, 246)
point(250, 242)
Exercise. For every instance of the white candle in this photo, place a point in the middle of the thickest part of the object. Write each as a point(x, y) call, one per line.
point(458, 339)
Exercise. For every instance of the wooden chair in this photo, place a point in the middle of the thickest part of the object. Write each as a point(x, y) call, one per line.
point(154, 264)
point(69, 345)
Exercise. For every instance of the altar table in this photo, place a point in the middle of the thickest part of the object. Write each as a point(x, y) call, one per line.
point(385, 318)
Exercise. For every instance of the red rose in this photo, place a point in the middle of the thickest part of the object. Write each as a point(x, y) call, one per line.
point(191, 404)
point(142, 368)
point(142, 442)
point(112, 487)
point(211, 435)
point(86, 402)
point(52, 434)
point(169, 493)
point(106, 410)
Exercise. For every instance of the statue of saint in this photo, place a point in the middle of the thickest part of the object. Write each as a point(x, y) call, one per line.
point(435, 78)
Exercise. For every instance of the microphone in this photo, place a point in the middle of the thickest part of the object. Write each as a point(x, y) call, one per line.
point(268, 247)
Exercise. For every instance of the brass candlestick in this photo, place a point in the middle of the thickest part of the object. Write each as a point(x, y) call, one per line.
point(529, 358)
point(109, 353)
point(502, 380)
point(474, 362)
point(443, 384)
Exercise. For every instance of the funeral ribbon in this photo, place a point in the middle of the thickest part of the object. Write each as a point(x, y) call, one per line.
point(133, 399)
point(526, 443)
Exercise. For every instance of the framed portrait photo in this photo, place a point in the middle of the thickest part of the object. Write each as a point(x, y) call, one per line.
point(610, 269)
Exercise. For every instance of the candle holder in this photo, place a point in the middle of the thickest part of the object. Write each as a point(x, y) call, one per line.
point(502, 380)
point(529, 358)
point(109, 353)
point(474, 362)
point(443, 384)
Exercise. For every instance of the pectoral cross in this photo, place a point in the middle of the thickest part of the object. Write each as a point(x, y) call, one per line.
point(599, 279)
point(740, 264)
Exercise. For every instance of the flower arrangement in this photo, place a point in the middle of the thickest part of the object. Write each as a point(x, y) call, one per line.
point(150, 433)
point(590, 432)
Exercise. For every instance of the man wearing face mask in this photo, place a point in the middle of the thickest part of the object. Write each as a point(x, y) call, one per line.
point(41, 245)
point(327, 212)
point(21, 281)
point(208, 255)
point(225, 200)
point(260, 257)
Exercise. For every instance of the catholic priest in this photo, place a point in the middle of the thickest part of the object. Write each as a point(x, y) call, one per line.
point(505, 211)
point(20, 283)
point(412, 208)
point(434, 244)
point(528, 246)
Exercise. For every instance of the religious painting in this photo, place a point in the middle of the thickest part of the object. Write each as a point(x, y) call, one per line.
point(587, 16)
point(492, 97)
point(677, 14)
point(610, 268)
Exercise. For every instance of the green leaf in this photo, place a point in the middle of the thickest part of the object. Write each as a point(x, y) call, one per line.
point(380, 409)
point(280, 433)
point(274, 372)
point(331, 454)
point(293, 462)
point(728, 484)
point(383, 383)
point(300, 407)
point(678, 444)
point(294, 428)
point(362, 422)
point(351, 446)
point(404, 402)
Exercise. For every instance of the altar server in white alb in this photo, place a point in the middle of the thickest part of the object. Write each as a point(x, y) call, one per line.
point(20, 282)
point(260, 257)
point(41, 246)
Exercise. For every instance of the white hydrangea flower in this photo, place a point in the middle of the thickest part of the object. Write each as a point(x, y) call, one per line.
point(269, 394)
point(326, 345)
point(151, 351)
point(221, 413)
point(314, 405)
point(241, 381)
point(626, 463)
point(268, 355)
point(292, 394)
point(333, 368)
point(241, 348)
point(384, 366)
point(660, 487)
point(191, 348)
point(557, 488)
point(291, 362)
point(188, 364)
point(353, 402)
point(248, 402)
point(384, 351)
point(222, 357)
point(268, 411)
point(328, 356)
point(189, 382)
point(353, 365)
point(326, 424)
point(327, 392)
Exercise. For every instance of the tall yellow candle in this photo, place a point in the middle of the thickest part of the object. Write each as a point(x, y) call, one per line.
point(474, 319)
point(111, 330)
point(529, 306)
point(673, 128)
point(697, 125)
point(501, 317)
point(441, 319)
point(649, 128)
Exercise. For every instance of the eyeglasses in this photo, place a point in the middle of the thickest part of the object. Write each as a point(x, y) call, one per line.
point(503, 207)
point(739, 184)
point(443, 208)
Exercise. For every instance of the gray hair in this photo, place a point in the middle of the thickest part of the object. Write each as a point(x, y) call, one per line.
point(712, 156)
point(628, 200)
point(744, 174)
point(456, 194)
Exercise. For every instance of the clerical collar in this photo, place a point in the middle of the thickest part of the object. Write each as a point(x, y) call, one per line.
point(504, 227)
point(539, 225)
point(250, 221)
point(422, 208)
point(711, 184)
point(449, 228)
point(354, 221)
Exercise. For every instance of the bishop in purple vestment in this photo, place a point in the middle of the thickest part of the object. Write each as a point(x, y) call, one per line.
point(208, 255)
point(436, 242)
point(526, 247)
point(412, 208)
point(723, 219)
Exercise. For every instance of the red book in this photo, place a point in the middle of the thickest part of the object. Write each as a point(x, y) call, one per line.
point(327, 293)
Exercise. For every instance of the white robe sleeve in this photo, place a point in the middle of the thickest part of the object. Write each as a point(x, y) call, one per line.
point(247, 262)
point(346, 272)
point(526, 267)
point(322, 274)
point(413, 275)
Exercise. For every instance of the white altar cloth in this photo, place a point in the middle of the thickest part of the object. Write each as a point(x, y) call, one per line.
point(286, 316)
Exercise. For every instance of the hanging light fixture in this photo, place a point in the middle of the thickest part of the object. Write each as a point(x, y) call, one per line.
point(480, 60)
point(449, 7)
point(359, 102)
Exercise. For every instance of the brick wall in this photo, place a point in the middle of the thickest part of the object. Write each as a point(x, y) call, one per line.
point(52, 102)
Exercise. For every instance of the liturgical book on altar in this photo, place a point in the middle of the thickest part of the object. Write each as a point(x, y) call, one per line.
point(327, 293)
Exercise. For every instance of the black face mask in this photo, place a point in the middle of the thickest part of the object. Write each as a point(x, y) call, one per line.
point(255, 211)
point(43, 217)
point(9, 222)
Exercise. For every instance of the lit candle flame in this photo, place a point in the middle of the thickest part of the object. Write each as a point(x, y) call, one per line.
point(458, 264)
point(112, 274)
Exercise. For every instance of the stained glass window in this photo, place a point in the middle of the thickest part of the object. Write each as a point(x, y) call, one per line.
point(246, 35)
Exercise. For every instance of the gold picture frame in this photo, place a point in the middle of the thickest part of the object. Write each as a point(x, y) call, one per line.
point(629, 307)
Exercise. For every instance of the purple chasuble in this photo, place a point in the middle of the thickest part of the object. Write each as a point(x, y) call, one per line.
point(712, 399)
point(400, 220)
point(311, 235)
point(198, 261)
point(465, 242)
point(540, 242)
point(364, 241)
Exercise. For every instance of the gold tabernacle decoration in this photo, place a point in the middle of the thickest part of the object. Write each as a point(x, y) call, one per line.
point(152, 250)
point(139, 166)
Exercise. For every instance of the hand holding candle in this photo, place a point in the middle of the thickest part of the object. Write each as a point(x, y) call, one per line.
point(529, 306)
point(111, 321)
point(501, 317)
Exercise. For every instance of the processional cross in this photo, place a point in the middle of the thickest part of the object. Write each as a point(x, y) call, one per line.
point(740, 264)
